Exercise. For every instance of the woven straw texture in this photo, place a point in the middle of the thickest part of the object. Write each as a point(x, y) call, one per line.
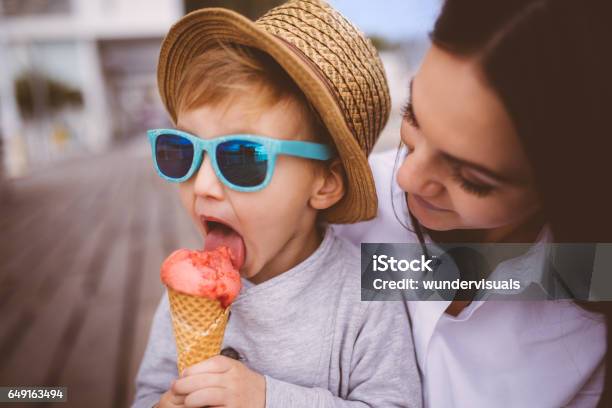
point(199, 324)
point(348, 62)
point(332, 62)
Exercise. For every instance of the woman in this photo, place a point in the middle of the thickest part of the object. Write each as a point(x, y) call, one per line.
point(505, 139)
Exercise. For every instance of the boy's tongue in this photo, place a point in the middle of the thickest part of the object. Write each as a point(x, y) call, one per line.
point(225, 236)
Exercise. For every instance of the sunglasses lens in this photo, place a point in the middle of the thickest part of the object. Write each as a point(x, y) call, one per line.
point(174, 155)
point(243, 163)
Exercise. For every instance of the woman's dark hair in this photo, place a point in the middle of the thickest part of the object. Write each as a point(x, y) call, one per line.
point(550, 62)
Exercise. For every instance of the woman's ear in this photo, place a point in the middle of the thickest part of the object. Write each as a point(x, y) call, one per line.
point(330, 187)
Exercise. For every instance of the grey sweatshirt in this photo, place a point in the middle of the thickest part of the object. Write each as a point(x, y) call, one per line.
point(309, 334)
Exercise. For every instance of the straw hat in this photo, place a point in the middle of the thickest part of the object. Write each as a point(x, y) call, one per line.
point(332, 62)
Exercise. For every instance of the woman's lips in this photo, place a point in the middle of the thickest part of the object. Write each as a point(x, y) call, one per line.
point(426, 204)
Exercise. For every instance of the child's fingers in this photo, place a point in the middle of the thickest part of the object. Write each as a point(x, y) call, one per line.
point(216, 364)
point(189, 384)
point(171, 400)
point(177, 399)
point(206, 397)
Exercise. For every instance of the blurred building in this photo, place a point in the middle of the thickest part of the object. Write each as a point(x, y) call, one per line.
point(250, 8)
point(77, 75)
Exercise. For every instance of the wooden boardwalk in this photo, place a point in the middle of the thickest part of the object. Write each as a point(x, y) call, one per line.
point(80, 250)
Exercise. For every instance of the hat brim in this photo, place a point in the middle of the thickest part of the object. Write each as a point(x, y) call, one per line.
point(203, 28)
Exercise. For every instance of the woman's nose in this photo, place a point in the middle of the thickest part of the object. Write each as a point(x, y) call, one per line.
point(418, 175)
point(207, 184)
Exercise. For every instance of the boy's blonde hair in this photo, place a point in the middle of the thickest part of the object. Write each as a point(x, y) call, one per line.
point(226, 70)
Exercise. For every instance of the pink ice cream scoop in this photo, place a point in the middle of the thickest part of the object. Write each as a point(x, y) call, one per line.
point(209, 274)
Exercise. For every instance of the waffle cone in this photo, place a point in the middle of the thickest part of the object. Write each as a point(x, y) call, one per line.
point(199, 324)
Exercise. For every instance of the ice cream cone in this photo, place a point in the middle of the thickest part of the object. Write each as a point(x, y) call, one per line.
point(201, 287)
point(199, 324)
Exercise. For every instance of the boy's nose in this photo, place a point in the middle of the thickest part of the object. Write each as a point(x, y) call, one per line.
point(206, 181)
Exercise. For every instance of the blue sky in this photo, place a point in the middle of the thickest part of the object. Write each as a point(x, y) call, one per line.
point(393, 19)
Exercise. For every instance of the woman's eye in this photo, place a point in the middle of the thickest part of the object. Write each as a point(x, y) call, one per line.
point(408, 114)
point(478, 189)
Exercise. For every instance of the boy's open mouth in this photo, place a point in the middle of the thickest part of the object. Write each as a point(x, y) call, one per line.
point(219, 234)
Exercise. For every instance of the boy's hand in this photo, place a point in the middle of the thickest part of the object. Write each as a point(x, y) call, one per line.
point(221, 382)
point(171, 400)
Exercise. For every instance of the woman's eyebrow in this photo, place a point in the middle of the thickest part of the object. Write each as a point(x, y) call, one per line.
point(410, 86)
point(409, 108)
point(477, 167)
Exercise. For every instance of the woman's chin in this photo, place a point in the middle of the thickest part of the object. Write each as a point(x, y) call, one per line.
point(436, 226)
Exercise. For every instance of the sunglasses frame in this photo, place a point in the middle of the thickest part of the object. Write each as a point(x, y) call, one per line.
point(274, 147)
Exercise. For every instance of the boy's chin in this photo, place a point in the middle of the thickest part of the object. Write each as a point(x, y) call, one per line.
point(255, 274)
point(252, 277)
point(247, 272)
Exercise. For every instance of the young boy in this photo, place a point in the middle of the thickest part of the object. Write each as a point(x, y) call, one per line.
point(289, 106)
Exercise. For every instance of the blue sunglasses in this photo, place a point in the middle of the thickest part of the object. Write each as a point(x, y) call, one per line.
point(241, 162)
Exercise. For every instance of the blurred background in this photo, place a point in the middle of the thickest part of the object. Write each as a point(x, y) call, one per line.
point(84, 220)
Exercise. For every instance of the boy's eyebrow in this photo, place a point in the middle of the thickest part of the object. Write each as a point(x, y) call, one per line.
point(182, 129)
point(245, 131)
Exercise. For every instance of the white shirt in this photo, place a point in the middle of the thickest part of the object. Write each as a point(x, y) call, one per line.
point(494, 353)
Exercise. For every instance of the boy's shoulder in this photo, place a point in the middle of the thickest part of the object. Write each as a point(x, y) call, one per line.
point(350, 308)
point(345, 271)
point(346, 250)
point(346, 255)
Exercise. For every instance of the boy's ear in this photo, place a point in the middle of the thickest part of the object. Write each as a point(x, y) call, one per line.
point(330, 188)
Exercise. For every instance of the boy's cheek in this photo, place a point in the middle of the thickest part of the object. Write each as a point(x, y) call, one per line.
point(187, 200)
point(186, 197)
